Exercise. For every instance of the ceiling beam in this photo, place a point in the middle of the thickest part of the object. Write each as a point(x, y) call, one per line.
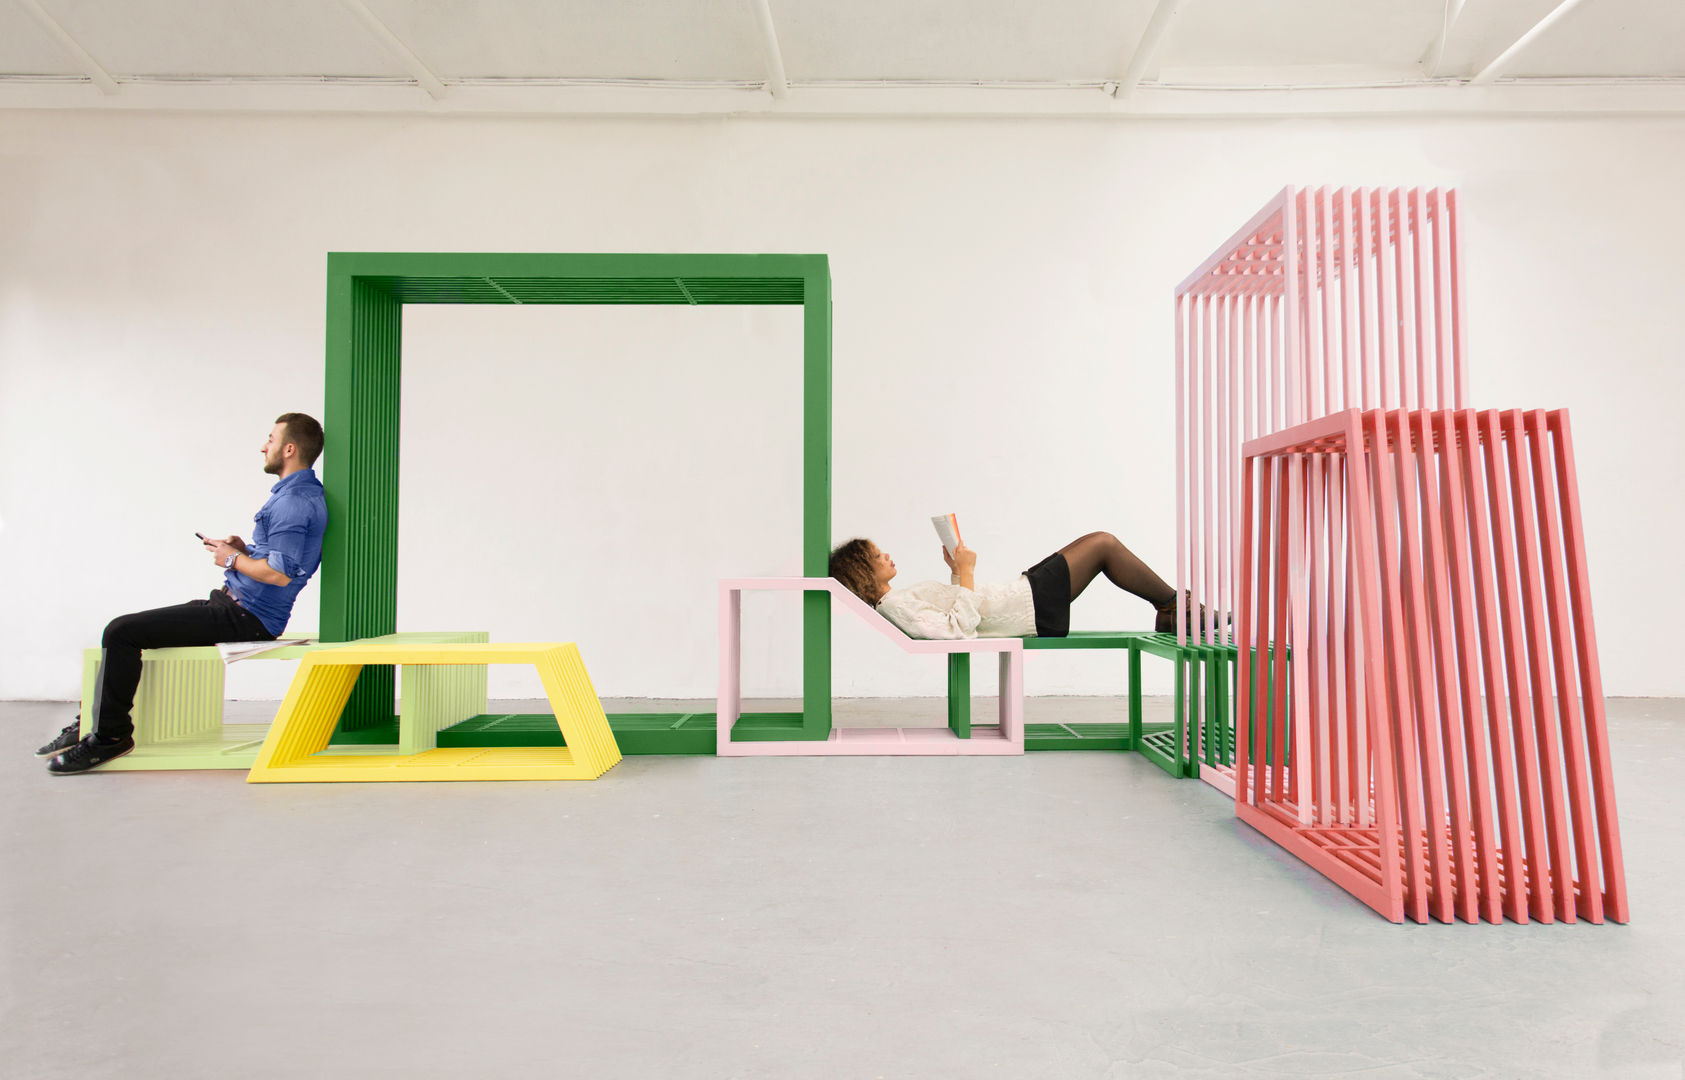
point(1436, 52)
point(748, 100)
point(1495, 68)
point(1158, 27)
point(411, 62)
point(90, 67)
point(777, 84)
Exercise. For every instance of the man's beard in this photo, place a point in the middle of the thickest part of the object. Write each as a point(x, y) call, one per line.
point(273, 468)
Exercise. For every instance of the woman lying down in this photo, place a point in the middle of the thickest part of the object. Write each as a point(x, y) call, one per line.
point(1037, 602)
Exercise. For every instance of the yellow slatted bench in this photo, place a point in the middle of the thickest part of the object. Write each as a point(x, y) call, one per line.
point(296, 748)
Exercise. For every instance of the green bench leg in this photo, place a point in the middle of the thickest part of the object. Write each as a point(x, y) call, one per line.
point(1135, 729)
point(959, 694)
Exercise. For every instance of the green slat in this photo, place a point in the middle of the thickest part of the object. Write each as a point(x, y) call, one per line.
point(1089, 639)
point(635, 733)
point(360, 478)
point(816, 500)
point(959, 694)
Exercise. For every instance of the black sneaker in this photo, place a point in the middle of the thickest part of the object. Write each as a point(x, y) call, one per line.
point(90, 753)
point(70, 736)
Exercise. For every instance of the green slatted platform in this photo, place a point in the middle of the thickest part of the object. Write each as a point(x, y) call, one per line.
point(1202, 678)
point(637, 733)
point(1091, 736)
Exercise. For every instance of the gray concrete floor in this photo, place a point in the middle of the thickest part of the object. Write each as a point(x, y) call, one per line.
point(1057, 915)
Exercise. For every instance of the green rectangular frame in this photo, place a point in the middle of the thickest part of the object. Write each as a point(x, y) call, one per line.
point(366, 295)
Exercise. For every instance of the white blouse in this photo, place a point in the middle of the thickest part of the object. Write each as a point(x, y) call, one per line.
point(931, 609)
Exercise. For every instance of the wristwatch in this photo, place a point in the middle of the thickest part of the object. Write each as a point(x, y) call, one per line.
point(228, 563)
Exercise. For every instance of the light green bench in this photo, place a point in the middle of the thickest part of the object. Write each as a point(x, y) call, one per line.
point(178, 706)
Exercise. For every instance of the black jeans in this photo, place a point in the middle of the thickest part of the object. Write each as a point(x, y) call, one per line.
point(197, 622)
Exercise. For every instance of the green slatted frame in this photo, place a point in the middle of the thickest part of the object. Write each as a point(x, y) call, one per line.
point(366, 295)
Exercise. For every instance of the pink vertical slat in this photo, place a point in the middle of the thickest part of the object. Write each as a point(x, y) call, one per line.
point(1254, 551)
point(1275, 383)
point(1357, 752)
point(1385, 336)
point(1231, 424)
point(1506, 565)
point(1459, 325)
point(1437, 575)
point(1279, 639)
point(730, 703)
point(1199, 460)
point(1318, 764)
point(1203, 594)
point(1227, 450)
point(1299, 632)
point(1466, 659)
point(1400, 710)
point(1590, 901)
point(1321, 332)
point(1407, 366)
point(1420, 252)
point(1349, 397)
point(1340, 747)
point(1416, 654)
point(1366, 273)
point(1288, 376)
point(1538, 670)
point(1591, 676)
point(1448, 397)
point(1484, 565)
point(1184, 310)
point(1380, 733)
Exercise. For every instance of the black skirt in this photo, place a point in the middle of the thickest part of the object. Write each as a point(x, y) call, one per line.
point(1050, 591)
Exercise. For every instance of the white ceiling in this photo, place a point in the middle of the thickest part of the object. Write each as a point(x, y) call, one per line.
point(814, 55)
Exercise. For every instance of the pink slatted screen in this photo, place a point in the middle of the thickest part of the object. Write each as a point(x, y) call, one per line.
point(1328, 299)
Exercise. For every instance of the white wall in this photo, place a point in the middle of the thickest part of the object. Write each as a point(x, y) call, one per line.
point(1003, 349)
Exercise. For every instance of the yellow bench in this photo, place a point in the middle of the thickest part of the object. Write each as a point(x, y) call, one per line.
point(293, 749)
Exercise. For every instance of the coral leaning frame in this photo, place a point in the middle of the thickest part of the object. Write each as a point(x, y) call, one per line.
point(366, 293)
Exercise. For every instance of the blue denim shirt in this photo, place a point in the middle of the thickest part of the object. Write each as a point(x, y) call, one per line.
point(287, 534)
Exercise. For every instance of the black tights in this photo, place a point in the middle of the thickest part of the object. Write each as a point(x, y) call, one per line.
point(1101, 552)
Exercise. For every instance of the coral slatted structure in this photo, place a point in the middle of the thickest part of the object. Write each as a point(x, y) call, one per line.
point(1419, 711)
point(1457, 760)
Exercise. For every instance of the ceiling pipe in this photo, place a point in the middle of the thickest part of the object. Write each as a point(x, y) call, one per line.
point(1436, 52)
point(1158, 27)
point(777, 84)
point(411, 62)
point(1491, 71)
point(90, 67)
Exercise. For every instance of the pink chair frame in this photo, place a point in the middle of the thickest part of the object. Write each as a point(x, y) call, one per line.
point(1007, 737)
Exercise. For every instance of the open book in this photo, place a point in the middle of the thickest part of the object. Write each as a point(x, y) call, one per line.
point(245, 650)
point(948, 528)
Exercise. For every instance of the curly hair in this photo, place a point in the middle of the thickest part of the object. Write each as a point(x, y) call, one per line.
point(851, 564)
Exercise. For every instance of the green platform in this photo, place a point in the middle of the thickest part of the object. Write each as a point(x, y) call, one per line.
point(637, 733)
point(1202, 679)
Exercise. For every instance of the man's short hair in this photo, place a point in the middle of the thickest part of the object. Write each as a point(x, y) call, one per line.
point(305, 433)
